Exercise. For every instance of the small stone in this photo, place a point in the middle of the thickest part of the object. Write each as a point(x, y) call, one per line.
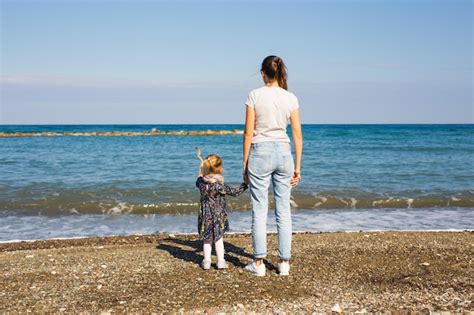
point(336, 308)
point(53, 272)
point(100, 247)
point(425, 264)
point(99, 287)
point(103, 266)
point(29, 256)
point(122, 302)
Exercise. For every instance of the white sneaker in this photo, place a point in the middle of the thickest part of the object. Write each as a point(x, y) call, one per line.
point(284, 268)
point(258, 271)
point(222, 264)
point(206, 264)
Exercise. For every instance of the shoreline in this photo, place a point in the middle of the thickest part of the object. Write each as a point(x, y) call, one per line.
point(241, 233)
point(28, 228)
point(361, 271)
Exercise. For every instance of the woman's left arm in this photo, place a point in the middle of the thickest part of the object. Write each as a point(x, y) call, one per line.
point(298, 144)
point(248, 136)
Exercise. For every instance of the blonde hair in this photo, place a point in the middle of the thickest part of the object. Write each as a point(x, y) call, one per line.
point(212, 164)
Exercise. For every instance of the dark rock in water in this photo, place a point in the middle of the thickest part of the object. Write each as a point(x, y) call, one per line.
point(153, 132)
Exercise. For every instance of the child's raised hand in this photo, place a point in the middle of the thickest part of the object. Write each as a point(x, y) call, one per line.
point(199, 156)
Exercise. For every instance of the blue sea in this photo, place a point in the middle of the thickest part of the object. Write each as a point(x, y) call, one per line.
point(354, 177)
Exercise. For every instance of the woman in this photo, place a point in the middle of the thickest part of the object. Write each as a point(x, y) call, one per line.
point(267, 157)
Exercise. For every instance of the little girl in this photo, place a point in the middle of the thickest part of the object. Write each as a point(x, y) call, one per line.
point(213, 220)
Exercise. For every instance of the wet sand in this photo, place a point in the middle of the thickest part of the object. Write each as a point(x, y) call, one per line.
point(348, 272)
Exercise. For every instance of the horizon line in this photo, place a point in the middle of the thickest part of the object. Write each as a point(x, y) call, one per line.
point(222, 124)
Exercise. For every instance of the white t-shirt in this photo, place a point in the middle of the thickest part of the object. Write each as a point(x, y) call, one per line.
point(273, 107)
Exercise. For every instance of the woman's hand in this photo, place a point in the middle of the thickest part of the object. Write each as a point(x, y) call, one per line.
point(298, 142)
point(245, 175)
point(246, 179)
point(295, 179)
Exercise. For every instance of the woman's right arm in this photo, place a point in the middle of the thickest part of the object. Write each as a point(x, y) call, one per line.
point(248, 136)
point(298, 144)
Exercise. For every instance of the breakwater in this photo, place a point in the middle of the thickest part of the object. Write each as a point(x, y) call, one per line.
point(123, 133)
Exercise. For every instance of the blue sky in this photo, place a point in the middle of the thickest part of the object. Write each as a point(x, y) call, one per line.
point(195, 61)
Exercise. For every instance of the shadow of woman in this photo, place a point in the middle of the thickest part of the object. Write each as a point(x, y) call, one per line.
point(233, 254)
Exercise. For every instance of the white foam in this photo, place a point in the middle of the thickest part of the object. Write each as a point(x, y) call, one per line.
point(73, 211)
point(353, 203)
point(293, 203)
point(381, 201)
point(172, 204)
point(377, 202)
point(323, 200)
point(384, 219)
point(343, 201)
point(121, 208)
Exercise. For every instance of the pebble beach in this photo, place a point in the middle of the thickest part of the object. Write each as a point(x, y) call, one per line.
point(339, 272)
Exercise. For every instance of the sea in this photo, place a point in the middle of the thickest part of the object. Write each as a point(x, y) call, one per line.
point(354, 178)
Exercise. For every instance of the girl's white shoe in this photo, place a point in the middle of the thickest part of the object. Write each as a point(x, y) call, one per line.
point(206, 264)
point(258, 271)
point(222, 264)
point(284, 268)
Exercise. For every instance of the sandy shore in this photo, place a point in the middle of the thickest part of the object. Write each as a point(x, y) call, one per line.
point(360, 271)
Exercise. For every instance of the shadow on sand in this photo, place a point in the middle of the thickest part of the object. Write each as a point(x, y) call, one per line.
point(233, 254)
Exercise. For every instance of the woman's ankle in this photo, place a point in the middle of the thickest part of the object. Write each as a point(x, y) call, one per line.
point(258, 261)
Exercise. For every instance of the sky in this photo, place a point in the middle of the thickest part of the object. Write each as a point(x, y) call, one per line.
point(181, 62)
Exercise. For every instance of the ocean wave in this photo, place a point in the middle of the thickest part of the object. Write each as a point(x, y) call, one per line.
point(22, 228)
point(72, 203)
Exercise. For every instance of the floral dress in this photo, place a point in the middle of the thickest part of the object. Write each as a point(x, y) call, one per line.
point(213, 219)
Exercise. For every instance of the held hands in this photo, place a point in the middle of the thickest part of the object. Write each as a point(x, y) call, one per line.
point(246, 178)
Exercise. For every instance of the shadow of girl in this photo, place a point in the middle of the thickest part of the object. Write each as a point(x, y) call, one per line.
point(178, 248)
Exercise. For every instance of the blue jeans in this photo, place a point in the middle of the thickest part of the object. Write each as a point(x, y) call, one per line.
point(271, 161)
